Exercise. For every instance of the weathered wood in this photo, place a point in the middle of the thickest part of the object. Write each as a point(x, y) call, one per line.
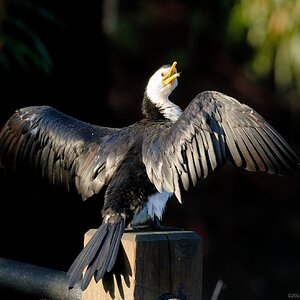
point(152, 264)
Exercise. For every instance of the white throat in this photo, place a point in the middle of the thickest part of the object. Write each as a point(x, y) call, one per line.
point(170, 110)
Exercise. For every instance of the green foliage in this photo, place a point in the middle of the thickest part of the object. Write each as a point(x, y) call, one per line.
point(272, 29)
point(20, 42)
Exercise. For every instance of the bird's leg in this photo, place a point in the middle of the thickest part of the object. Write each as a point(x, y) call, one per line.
point(158, 226)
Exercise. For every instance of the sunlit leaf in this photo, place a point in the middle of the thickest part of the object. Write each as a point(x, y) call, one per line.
point(273, 32)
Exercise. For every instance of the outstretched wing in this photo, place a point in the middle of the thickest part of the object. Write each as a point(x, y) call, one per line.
point(65, 150)
point(214, 129)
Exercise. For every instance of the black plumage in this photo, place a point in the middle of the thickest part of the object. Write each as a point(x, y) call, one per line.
point(141, 165)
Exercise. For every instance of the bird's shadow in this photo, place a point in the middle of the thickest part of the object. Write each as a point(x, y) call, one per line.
point(121, 271)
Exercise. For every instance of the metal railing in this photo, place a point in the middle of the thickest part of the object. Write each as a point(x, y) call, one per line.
point(35, 281)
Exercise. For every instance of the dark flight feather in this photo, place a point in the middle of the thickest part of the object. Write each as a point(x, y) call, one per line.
point(65, 150)
point(213, 129)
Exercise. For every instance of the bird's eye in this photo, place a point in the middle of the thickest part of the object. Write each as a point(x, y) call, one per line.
point(162, 74)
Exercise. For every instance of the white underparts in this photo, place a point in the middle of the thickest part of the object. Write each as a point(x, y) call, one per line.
point(155, 206)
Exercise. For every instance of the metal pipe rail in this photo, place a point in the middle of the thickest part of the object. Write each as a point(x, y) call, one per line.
point(35, 281)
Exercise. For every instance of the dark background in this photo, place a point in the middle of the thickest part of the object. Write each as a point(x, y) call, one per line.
point(66, 57)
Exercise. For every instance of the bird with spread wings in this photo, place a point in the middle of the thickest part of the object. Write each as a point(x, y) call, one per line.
point(142, 165)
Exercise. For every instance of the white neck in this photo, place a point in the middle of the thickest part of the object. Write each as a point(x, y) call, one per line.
point(170, 110)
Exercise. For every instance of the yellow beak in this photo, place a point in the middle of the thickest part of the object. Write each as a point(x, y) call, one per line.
point(171, 74)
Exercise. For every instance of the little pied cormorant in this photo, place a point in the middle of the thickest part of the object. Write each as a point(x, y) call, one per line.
point(143, 164)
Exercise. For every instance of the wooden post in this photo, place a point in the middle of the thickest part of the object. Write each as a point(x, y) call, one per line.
point(154, 263)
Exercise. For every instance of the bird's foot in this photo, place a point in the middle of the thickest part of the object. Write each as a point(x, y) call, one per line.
point(148, 225)
point(158, 226)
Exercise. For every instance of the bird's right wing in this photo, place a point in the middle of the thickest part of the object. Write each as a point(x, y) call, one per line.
point(63, 149)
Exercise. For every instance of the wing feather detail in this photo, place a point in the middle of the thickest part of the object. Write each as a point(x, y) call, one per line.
point(62, 149)
point(212, 130)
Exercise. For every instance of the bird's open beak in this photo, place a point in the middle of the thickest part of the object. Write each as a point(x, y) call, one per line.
point(171, 74)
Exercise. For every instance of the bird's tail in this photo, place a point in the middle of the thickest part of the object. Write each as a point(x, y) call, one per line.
point(99, 255)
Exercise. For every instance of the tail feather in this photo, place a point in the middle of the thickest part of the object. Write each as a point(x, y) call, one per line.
point(115, 251)
point(112, 254)
point(100, 260)
point(99, 255)
point(86, 255)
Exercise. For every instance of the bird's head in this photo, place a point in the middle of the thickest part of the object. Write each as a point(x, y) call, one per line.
point(162, 83)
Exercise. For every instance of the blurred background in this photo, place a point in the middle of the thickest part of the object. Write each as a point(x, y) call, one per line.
point(92, 60)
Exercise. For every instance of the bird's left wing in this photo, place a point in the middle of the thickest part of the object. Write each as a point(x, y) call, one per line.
point(62, 149)
point(213, 129)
